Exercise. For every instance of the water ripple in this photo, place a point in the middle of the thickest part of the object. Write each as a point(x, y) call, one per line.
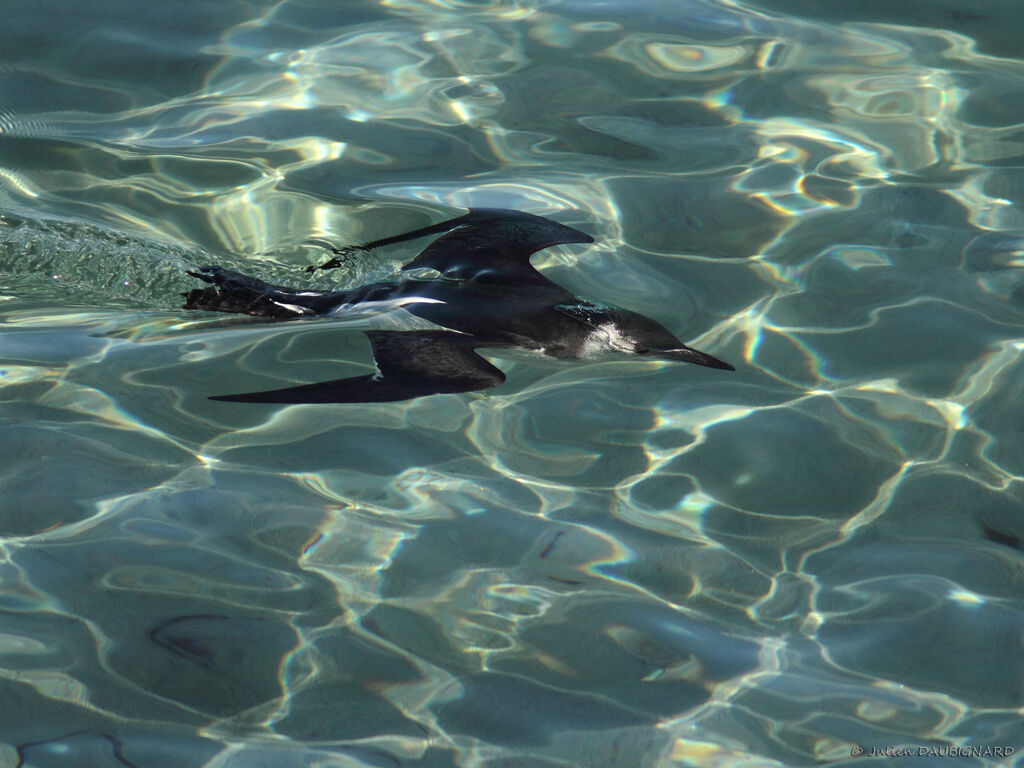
point(616, 563)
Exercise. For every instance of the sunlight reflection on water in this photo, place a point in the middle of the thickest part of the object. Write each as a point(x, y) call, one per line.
point(616, 563)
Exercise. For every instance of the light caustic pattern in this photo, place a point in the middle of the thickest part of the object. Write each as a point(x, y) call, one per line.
point(617, 563)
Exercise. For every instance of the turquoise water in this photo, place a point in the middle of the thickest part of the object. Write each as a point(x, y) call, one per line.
point(622, 563)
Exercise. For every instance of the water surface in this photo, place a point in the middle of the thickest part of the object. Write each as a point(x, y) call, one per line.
point(622, 563)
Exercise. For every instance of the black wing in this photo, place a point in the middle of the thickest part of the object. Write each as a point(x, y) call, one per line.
point(410, 364)
point(486, 244)
point(495, 246)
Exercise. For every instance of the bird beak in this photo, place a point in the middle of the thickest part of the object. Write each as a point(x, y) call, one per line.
point(687, 355)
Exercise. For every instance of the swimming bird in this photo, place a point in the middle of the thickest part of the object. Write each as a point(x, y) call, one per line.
point(486, 295)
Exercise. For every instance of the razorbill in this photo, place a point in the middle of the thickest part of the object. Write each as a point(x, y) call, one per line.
point(486, 294)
